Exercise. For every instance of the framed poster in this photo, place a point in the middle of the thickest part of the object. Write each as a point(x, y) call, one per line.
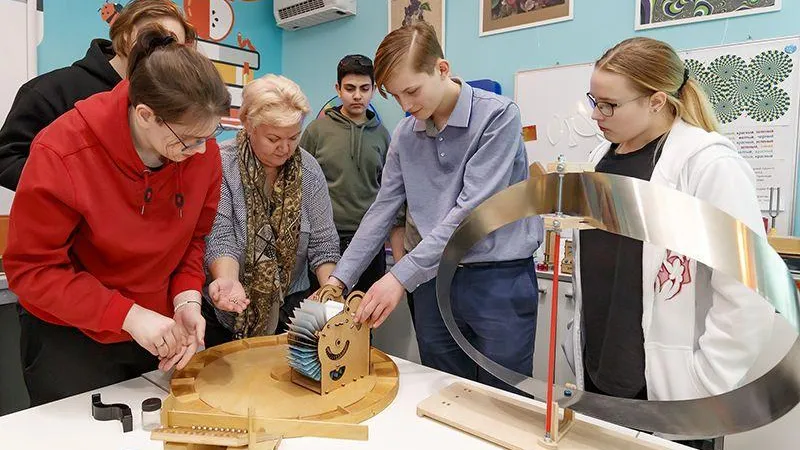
point(500, 16)
point(663, 13)
point(405, 12)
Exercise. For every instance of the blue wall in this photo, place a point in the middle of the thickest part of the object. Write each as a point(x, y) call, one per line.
point(310, 55)
point(69, 26)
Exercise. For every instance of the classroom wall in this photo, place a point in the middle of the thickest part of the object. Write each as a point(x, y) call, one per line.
point(17, 36)
point(70, 25)
point(310, 55)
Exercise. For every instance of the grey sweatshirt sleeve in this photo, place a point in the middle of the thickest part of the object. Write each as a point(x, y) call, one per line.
point(323, 240)
point(374, 227)
point(487, 172)
point(222, 240)
point(308, 141)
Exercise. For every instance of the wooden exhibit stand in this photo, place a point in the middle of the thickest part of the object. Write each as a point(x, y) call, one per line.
point(515, 424)
point(244, 395)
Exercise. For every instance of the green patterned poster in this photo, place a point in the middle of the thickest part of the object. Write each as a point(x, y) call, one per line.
point(753, 89)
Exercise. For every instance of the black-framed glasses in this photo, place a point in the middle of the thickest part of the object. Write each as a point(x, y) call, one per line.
point(198, 142)
point(606, 108)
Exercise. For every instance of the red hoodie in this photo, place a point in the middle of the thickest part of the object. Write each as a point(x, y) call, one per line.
point(84, 245)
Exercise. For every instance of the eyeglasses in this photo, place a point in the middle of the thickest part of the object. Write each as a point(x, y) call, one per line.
point(198, 142)
point(606, 108)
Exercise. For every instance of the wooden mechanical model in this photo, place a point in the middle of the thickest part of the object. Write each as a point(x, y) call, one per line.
point(246, 395)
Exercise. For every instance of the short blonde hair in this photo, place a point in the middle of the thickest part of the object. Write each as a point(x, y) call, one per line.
point(416, 43)
point(273, 100)
point(136, 12)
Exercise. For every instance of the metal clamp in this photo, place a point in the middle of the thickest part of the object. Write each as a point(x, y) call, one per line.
point(116, 411)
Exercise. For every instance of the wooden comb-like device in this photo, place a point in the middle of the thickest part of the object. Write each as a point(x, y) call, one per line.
point(343, 347)
point(195, 430)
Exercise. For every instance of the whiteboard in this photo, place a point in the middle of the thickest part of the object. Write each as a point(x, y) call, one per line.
point(554, 101)
point(754, 86)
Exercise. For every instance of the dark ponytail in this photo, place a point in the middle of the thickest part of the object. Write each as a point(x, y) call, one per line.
point(177, 82)
point(149, 40)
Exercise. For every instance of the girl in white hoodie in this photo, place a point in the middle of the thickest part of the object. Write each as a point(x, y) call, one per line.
point(651, 323)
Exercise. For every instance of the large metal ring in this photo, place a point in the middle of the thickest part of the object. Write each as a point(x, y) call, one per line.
point(645, 211)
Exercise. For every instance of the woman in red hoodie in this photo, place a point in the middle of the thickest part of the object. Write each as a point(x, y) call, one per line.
point(106, 239)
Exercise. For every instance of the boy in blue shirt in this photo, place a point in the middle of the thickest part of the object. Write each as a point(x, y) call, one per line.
point(459, 147)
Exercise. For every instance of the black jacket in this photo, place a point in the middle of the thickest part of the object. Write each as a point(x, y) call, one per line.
point(43, 99)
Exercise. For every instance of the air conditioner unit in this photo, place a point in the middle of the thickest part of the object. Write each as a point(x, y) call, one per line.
point(295, 14)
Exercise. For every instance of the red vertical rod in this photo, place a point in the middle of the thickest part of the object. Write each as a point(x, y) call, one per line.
point(551, 363)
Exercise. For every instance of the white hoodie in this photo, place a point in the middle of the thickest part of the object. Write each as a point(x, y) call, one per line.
point(702, 329)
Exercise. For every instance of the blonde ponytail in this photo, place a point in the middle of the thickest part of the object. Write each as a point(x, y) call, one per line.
point(654, 66)
point(693, 106)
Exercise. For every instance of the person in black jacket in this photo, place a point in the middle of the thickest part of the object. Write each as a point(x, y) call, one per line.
point(43, 99)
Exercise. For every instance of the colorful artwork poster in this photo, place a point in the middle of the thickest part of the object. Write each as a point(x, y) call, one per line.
point(663, 13)
point(500, 16)
point(406, 12)
point(220, 37)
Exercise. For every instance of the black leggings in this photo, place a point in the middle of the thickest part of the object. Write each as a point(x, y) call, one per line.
point(60, 361)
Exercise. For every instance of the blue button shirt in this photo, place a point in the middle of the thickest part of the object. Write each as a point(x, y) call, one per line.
point(444, 175)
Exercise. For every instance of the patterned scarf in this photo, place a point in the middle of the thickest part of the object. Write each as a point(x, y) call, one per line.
point(273, 231)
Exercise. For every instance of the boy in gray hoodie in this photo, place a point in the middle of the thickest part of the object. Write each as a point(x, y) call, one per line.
point(350, 144)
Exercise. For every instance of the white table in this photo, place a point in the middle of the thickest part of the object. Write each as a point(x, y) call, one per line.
point(6, 297)
point(68, 423)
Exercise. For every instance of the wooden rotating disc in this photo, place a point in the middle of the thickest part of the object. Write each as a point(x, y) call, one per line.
point(253, 373)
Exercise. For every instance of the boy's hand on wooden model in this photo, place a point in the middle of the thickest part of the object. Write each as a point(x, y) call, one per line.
point(157, 334)
point(228, 295)
point(335, 282)
point(331, 282)
point(380, 300)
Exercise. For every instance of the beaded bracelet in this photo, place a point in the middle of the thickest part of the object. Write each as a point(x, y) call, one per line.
point(186, 302)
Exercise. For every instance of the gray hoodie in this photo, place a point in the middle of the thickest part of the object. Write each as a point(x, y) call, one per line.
point(351, 156)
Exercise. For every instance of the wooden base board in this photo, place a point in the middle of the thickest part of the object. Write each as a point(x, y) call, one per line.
point(571, 167)
point(265, 445)
point(785, 245)
point(246, 385)
point(233, 377)
point(515, 424)
point(566, 222)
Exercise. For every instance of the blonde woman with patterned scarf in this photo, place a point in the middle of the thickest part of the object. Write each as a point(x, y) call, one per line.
point(274, 220)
